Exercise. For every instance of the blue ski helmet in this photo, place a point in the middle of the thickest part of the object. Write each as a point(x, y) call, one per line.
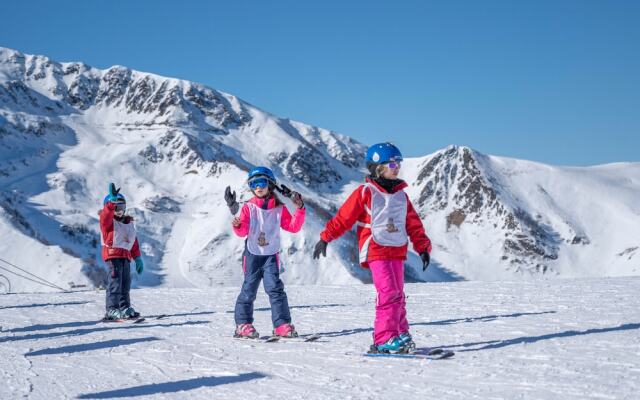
point(381, 153)
point(119, 199)
point(261, 172)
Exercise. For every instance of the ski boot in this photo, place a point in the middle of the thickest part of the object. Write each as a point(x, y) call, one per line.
point(246, 331)
point(391, 346)
point(285, 331)
point(130, 313)
point(407, 341)
point(113, 315)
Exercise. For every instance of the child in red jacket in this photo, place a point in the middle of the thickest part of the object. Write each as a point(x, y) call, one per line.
point(119, 247)
point(385, 217)
point(260, 221)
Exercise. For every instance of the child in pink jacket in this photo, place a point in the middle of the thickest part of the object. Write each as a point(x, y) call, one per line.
point(260, 221)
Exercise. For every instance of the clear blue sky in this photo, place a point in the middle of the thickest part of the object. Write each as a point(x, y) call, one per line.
point(553, 81)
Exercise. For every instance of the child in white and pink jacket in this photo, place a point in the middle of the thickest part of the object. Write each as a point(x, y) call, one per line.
point(260, 221)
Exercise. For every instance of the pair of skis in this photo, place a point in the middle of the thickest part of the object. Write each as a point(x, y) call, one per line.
point(423, 353)
point(136, 320)
point(305, 338)
point(275, 338)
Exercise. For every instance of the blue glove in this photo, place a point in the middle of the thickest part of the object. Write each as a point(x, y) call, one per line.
point(113, 193)
point(139, 265)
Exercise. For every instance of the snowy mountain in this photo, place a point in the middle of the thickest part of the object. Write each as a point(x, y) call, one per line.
point(495, 216)
point(67, 130)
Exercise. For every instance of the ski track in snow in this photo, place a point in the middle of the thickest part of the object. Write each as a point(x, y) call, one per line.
point(569, 339)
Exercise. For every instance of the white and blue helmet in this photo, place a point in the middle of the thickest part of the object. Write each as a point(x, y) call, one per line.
point(261, 177)
point(382, 153)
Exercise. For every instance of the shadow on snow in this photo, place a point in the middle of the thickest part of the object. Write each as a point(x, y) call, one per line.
point(173, 387)
point(112, 326)
point(186, 314)
point(485, 318)
point(75, 324)
point(293, 307)
point(68, 303)
point(496, 344)
point(79, 348)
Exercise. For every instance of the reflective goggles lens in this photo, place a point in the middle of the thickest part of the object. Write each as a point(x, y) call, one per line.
point(394, 164)
point(121, 207)
point(259, 183)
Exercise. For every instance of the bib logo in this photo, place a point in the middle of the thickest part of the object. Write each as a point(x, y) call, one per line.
point(262, 241)
point(391, 228)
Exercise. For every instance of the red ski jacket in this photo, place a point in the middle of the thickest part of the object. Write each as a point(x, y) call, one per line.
point(353, 210)
point(106, 227)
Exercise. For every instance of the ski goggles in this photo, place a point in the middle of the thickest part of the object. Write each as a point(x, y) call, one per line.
point(121, 207)
point(393, 164)
point(258, 183)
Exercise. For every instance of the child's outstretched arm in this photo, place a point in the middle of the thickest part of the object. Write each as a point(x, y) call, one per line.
point(293, 223)
point(347, 215)
point(415, 230)
point(240, 223)
point(345, 218)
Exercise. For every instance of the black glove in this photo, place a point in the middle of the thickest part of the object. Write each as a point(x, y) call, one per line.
point(321, 248)
point(425, 260)
point(286, 192)
point(297, 199)
point(230, 198)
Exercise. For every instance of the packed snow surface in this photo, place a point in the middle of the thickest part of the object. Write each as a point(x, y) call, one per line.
point(546, 339)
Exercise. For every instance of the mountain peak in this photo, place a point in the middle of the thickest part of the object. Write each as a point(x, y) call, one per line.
point(461, 185)
point(67, 129)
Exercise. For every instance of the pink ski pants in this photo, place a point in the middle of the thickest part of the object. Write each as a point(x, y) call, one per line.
point(391, 314)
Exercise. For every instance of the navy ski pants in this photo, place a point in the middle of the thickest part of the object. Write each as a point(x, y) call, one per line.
point(266, 268)
point(118, 284)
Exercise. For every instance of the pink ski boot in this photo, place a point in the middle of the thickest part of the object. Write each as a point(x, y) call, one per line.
point(246, 331)
point(285, 331)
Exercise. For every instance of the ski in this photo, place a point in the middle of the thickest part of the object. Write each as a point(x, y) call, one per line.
point(275, 338)
point(159, 316)
point(427, 354)
point(121, 320)
point(303, 338)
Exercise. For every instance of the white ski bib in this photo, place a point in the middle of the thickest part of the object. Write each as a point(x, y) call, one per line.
point(264, 230)
point(388, 217)
point(124, 236)
point(388, 220)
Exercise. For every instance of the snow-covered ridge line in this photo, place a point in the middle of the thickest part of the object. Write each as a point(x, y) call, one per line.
point(67, 129)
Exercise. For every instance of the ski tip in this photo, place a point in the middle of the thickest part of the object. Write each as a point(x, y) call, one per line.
point(311, 338)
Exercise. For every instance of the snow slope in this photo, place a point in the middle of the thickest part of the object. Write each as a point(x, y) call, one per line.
point(557, 339)
point(68, 129)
